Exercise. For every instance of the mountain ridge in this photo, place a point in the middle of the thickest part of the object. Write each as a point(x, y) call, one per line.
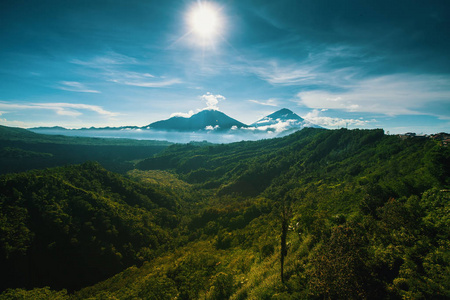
point(283, 120)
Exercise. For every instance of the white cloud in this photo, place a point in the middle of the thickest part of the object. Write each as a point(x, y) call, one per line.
point(316, 118)
point(184, 115)
point(277, 126)
point(112, 65)
point(150, 84)
point(64, 109)
point(210, 127)
point(270, 102)
point(140, 79)
point(326, 86)
point(212, 101)
point(9, 123)
point(313, 70)
point(74, 86)
point(110, 58)
point(290, 74)
point(390, 95)
point(132, 75)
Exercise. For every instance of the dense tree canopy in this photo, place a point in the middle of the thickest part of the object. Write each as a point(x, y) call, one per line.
point(367, 217)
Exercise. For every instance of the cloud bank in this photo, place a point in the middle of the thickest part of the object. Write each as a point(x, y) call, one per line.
point(389, 95)
point(315, 117)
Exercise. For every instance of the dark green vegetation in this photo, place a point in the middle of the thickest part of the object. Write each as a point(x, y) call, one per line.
point(351, 214)
point(22, 150)
point(73, 226)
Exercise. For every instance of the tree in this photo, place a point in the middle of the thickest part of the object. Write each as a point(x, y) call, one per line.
point(338, 266)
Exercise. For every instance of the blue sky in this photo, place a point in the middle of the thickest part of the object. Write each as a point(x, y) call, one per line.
point(361, 64)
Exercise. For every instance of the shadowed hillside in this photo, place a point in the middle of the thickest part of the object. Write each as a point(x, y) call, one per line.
point(22, 150)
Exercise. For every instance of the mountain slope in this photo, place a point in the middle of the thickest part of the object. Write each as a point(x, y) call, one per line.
point(249, 168)
point(204, 120)
point(22, 150)
point(73, 226)
point(366, 217)
point(283, 120)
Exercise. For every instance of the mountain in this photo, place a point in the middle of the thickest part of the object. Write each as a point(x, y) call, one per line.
point(48, 128)
point(204, 120)
point(281, 121)
point(59, 128)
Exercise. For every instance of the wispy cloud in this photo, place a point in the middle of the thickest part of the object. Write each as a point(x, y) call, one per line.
point(74, 86)
point(149, 84)
point(184, 115)
point(63, 109)
point(115, 67)
point(390, 95)
point(108, 59)
point(140, 79)
point(276, 74)
point(315, 69)
point(269, 102)
point(315, 117)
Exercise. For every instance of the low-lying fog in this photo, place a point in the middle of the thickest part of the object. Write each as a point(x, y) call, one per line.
point(171, 136)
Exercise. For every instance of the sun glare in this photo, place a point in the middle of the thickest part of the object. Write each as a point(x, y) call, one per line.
point(204, 21)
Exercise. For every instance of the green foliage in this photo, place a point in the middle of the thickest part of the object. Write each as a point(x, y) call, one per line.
point(78, 218)
point(22, 150)
point(222, 286)
point(368, 218)
point(34, 294)
point(338, 269)
point(17, 153)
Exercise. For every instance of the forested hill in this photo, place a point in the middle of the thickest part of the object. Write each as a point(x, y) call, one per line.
point(319, 214)
point(338, 157)
point(74, 226)
point(22, 150)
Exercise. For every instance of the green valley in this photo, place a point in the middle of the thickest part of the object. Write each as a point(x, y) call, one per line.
point(318, 214)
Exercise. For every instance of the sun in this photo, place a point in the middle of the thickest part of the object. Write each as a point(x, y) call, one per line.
point(204, 21)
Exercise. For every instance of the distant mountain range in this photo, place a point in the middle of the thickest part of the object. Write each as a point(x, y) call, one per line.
point(281, 121)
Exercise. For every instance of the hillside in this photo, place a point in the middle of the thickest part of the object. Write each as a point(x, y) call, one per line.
point(319, 214)
point(22, 150)
point(78, 218)
point(339, 156)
